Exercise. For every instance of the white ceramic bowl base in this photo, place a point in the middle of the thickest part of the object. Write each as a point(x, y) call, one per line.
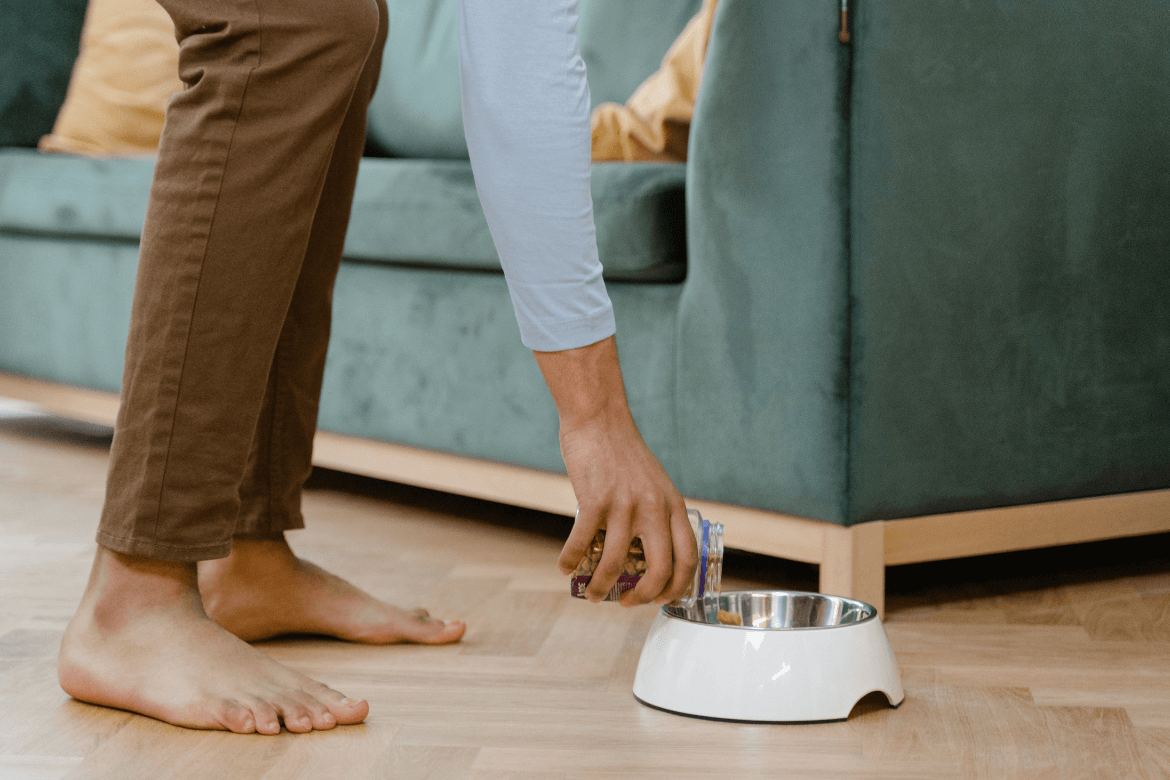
point(798, 658)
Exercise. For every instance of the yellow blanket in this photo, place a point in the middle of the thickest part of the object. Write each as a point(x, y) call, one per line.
point(129, 62)
point(655, 122)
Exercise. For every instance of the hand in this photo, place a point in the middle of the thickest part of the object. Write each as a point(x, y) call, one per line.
point(620, 485)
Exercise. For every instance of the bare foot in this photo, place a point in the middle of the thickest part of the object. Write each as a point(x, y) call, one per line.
point(263, 590)
point(140, 641)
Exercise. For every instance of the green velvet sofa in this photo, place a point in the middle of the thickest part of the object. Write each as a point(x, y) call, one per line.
point(906, 300)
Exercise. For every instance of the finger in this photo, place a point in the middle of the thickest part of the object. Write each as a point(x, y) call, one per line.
point(658, 546)
point(686, 554)
point(613, 555)
point(585, 526)
point(658, 570)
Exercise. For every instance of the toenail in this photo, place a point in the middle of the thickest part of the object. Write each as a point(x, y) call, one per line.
point(328, 717)
point(351, 702)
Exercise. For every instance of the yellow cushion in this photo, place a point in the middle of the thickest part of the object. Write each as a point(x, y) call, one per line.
point(128, 69)
point(126, 72)
point(654, 124)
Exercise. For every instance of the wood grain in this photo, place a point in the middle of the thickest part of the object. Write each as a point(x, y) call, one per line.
point(985, 531)
point(852, 563)
point(1062, 671)
point(853, 559)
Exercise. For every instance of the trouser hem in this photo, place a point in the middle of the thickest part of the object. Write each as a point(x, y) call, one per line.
point(164, 552)
point(270, 526)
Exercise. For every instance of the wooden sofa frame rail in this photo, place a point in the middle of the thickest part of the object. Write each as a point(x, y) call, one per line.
point(852, 560)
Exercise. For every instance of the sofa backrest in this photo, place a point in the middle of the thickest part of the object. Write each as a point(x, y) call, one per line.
point(416, 111)
point(38, 44)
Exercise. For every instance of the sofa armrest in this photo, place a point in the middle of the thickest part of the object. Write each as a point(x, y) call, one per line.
point(763, 340)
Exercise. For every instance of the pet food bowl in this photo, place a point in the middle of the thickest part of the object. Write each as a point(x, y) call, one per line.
point(797, 658)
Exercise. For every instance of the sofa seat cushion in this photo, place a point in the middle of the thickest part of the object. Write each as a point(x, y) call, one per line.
point(409, 212)
point(80, 197)
point(417, 111)
point(427, 213)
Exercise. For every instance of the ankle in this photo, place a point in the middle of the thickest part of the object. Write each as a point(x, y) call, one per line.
point(121, 586)
point(253, 551)
point(252, 557)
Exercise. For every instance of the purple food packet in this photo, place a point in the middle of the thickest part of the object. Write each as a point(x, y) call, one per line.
point(624, 582)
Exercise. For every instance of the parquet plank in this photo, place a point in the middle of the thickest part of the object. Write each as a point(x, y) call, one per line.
point(151, 749)
point(621, 676)
point(354, 752)
point(35, 767)
point(1155, 744)
point(1147, 706)
point(514, 623)
point(1061, 674)
point(36, 709)
point(958, 724)
point(700, 763)
point(74, 729)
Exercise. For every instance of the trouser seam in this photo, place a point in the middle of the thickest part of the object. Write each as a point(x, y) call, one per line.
point(165, 410)
point(278, 391)
point(202, 266)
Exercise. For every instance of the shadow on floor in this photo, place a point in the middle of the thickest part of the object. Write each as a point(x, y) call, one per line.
point(55, 430)
point(741, 569)
point(1005, 574)
point(938, 583)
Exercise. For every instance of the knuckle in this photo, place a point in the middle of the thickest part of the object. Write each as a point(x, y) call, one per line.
point(620, 512)
point(590, 506)
point(652, 500)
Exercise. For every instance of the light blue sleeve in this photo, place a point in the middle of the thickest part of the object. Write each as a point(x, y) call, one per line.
point(526, 117)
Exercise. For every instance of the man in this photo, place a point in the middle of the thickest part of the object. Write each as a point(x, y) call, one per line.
point(227, 344)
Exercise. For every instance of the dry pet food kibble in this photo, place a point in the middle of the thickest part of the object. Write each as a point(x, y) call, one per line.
point(708, 574)
point(634, 569)
point(730, 618)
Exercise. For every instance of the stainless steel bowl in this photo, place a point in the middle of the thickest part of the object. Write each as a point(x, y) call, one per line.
point(776, 610)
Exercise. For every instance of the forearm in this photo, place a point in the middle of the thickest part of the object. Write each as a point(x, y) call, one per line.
point(586, 384)
point(620, 485)
point(526, 117)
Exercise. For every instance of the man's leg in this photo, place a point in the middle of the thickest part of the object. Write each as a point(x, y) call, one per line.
point(262, 589)
point(243, 160)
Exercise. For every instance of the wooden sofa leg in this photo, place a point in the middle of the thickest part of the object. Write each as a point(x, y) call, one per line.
point(854, 564)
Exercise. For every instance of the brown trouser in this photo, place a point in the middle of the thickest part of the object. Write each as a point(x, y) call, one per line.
point(243, 238)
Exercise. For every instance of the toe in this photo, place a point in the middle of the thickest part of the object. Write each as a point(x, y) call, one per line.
point(349, 711)
point(266, 718)
point(238, 718)
point(320, 715)
point(345, 710)
point(295, 716)
point(435, 632)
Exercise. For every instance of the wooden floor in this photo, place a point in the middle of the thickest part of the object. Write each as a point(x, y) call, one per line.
point(1060, 673)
